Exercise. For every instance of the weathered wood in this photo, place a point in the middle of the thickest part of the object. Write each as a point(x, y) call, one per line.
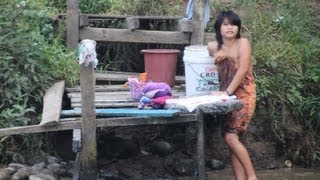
point(197, 37)
point(124, 112)
point(52, 102)
point(84, 21)
point(75, 123)
point(113, 95)
point(88, 156)
point(77, 167)
point(123, 76)
point(209, 37)
point(185, 25)
point(110, 105)
point(112, 88)
point(102, 17)
point(101, 88)
point(134, 121)
point(132, 23)
point(137, 36)
point(72, 23)
point(200, 145)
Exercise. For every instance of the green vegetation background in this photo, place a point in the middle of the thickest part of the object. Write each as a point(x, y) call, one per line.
point(284, 33)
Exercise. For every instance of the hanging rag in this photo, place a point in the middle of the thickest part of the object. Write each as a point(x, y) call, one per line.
point(87, 52)
point(190, 8)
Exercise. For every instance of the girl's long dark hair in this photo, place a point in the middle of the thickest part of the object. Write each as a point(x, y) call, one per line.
point(233, 18)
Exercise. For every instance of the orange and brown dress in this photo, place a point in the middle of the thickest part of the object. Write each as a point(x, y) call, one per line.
point(237, 121)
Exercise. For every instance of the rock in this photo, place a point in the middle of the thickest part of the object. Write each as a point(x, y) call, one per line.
point(116, 147)
point(57, 168)
point(10, 170)
point(52, 159)
point(40, 165)
point(5, 175)
point(184, 167)
point(42, 177)
point(109, 174)
point(37, 159)
point(160, 148)
point(17, 166)
point(215, 164)
point(22, 173)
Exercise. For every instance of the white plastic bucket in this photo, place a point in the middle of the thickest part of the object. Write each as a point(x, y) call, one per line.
point(200, 72)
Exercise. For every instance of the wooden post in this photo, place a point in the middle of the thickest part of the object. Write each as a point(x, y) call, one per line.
point(197, 37)
point(88, 158)
point(72, 23)
point(200, 145)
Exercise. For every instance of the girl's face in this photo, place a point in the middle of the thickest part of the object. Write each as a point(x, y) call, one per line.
point(228, 30)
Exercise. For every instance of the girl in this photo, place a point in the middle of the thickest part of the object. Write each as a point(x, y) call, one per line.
point(232, 55)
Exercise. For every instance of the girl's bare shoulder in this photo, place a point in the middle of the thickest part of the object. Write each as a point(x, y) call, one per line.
point(244, 42)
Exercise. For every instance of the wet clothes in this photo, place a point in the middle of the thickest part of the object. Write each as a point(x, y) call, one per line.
point(237, 121)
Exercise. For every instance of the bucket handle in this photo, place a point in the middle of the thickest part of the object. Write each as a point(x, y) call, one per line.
point(197, 73)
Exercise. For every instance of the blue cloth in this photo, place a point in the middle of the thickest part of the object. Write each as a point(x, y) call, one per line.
point(190, 8)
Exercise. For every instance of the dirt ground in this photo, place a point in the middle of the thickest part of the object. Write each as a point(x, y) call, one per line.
point(131, 153)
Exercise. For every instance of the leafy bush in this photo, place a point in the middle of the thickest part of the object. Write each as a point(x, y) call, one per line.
point(29, 64)
point(32, 58)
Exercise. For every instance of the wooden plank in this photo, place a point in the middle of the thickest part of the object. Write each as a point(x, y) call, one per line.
point(52, 102)
point(200, 145)
point(83, 21)
point(102, 16)
point(112, 88)
point(101, 88)
point(75, 123)
point(134, 121)
point(119, 94)
point(132, 23)
point(110, 105)
point(197, 37)
point(88, 152)
point(137, 36)
point(124, 112)
point(209, 37)
point(72, 23)
point(185, 25)
point(123, 76)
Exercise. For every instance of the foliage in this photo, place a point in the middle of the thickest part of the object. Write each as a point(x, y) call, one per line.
point(31, 60)
point(86, 6)
point(122, 7)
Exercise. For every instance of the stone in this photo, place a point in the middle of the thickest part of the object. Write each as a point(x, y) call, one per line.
point(42, 177)
point(22, 173)
point(52, 159)
point(160, 148)
point(215, 164)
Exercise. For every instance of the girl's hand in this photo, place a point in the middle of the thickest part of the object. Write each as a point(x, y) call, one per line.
point(219, 93)
point(220, 56)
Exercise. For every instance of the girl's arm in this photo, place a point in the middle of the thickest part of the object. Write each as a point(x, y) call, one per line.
point(244, 65)
point(212, 47)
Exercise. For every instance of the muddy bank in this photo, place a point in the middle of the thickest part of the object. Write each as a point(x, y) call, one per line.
point(168, 151)
point(294, 173)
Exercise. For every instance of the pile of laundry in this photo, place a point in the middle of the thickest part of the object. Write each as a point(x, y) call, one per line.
point(149, 94)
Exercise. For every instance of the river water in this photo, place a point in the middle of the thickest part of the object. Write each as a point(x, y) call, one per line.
point(277, 174)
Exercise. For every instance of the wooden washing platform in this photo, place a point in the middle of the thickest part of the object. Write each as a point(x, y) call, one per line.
point(113, 107)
